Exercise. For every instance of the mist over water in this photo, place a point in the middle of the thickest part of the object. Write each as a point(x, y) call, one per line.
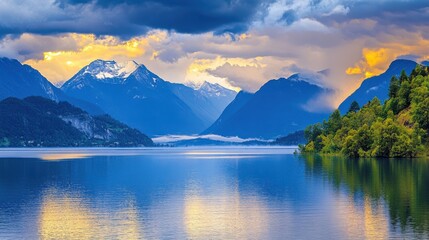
point(201, 193)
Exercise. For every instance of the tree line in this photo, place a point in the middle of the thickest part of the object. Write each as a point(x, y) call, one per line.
point(397, 128)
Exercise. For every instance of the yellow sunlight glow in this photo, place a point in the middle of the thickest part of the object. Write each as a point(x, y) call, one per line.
point(228, 215)
point(66, 217)
point(197, 71)
point(61, 65)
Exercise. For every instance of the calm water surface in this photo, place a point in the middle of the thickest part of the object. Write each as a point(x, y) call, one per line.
point(209, 193)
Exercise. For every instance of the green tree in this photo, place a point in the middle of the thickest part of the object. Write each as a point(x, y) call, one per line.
point(351, 146)
point(421, 114)
point(402, 147)
point(358, 143)
point(394, 87)
point(312, 133)
point(404, 96)
point(399, 128)
point(403, 78)
point(354, 107)
point(386, 134)
point(334, 122)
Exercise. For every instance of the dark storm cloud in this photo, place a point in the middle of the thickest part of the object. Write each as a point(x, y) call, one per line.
point(128, 18)
point(189, 16)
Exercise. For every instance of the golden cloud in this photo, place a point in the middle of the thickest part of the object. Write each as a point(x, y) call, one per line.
point(375, 61)
point(59, 66)
point(198, 70)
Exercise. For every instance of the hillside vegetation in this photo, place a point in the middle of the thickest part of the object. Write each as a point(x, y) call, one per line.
point(397, 128)
point(40, 122)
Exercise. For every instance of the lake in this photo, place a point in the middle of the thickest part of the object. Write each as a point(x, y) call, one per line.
point(209, 193)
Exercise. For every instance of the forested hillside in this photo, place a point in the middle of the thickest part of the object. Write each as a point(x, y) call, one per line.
point(40, 122)
point(397, 128)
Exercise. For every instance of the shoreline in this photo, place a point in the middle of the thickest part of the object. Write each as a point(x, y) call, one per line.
point(79, 153)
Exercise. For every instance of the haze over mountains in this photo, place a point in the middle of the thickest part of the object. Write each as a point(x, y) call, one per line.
point(377, 86)
point(276, 109)
point(134, 95)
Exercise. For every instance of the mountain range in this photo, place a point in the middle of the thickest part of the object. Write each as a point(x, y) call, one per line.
point(276, 109)
point(133, 94)
point(20, 81)
point(127, 91)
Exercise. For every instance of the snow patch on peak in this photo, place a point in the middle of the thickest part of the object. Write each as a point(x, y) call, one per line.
point(313, 78)
point(214, 89)
point(128, 67)
point(211, 87)
point(110, 69)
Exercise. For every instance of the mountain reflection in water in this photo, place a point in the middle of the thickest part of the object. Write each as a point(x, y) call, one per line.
point(217, 193)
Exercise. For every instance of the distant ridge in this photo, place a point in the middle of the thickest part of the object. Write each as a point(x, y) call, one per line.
point(20, 81)
point(41, 122)
point(276, 109)
point(377, 86)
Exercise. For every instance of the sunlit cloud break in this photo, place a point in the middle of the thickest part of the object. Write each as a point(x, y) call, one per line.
point(240, 45)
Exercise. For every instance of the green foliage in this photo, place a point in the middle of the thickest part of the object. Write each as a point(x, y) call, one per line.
point(421, 114)
point(394, 87)
point(40, 122)
point(354, 107)
point(334, 122)
point(403, 78)
point(399, 128)
point(312, 134)
point(404, 96)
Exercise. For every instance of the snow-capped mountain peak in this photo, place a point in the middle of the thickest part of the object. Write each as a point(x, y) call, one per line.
point(214, 89)
point(128, 67)
point(314, 78)
point(110, 69)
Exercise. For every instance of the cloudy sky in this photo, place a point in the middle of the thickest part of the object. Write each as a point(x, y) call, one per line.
point(238, 43)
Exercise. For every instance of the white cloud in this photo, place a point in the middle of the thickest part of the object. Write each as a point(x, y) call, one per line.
point(339, 9)
point(268, 50)
point(307, 24)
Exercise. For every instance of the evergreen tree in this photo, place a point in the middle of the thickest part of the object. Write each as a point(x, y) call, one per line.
point(394, 87)
point(404, 96)
point(399, 128)
point(403, 78)
point(354, 107)
point(334, 122)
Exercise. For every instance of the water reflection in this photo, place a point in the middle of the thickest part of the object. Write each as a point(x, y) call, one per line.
point(211, 194)
point(62, 156)
point(65, 215)
point(367, 220)
point(226, 215)
point(395, 188)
